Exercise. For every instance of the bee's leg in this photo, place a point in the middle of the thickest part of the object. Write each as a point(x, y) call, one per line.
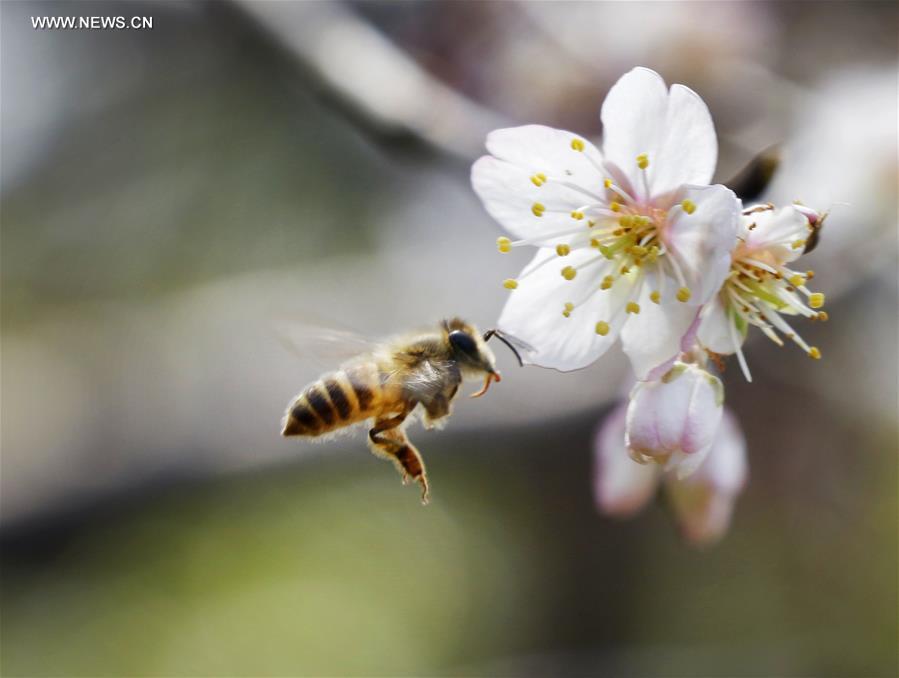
point(438, 408)
point(389, 441)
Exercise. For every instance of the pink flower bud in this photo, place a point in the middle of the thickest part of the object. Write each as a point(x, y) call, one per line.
point(673, 421)
point(703, 503)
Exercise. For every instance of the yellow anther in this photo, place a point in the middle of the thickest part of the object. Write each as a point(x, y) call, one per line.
point(606, 251)
point(809, 275)
point(538, 209)
point(615, 206)
point(607, 183)
point(632, 307)
point(684, 294)
point(643, 161)
point(510, 283)
point(607, 282)
point(602, 328)
point(816, 300)
point(797, 244)
point(503, 244)
point(626, 221)
point(822, 316)
point(563, 250)
point(538, 179)
point(814, 353)
point(625, 270)
point(655, 297)
point(569, 272)
point(569, 307)
point(590, 223)
point(688, 206)
point(638, 250)
point(796, 280)
point(594, 243)
point(577, 215)
point(577, 144)
point(653, 254)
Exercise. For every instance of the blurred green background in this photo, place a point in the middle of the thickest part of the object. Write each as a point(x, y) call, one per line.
point(172, 198)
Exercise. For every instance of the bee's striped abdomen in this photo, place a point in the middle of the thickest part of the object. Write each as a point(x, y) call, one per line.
point(336, 400)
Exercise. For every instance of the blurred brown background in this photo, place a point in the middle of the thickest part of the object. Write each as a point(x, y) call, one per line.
point(171, 197)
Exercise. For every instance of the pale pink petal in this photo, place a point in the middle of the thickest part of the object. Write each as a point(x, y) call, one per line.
point(621, 486)
point(701, 243)
point(703, 503)
point(533, 313)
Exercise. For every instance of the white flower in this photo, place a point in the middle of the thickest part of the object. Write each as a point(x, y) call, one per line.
point(760, 286)
point(702, 503)
point(673, 421)
point(631, 241)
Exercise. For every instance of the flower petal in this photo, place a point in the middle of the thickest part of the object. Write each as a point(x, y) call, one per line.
point(621, 486)
point(538, 148)
point(654, 337)
point(714, 328)
point(533, 313)
point(701, 241)
point(778, 236)
point(509, 196)
point(674, 129)
point(703, 503)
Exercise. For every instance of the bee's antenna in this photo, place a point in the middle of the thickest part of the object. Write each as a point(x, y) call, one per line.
point(491, 333)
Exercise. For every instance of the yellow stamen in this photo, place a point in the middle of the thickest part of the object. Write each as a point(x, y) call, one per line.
point(809, 275)
point(607, 183)
point(816, 300)
point(594, 243)
point(796, 280)
point(577, 144)
point(638, 250)
point(688, 206)
point(510, 283)
point(538, 179)
point(569, 307)
point(615, 206)
point(569, 272)
point(607, 252)
point(602, 328)
point(503, 244)
point(655, 297)
point(822, 316)
point(538, 209)
point(577, 215)
point(684, 294)
point(632, 307)
point(643, 161)
point(607, 283)
point(814, 353)
point(625, 221)
point(563, 250)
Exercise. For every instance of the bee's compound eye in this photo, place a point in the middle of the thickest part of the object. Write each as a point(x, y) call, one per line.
point(462, 341)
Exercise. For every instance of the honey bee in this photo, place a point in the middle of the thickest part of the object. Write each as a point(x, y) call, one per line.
point(386, 386)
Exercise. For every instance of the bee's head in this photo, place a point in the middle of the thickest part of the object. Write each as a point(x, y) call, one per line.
point(470, 350)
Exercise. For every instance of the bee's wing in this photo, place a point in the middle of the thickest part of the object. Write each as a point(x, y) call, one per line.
point(323, 345)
